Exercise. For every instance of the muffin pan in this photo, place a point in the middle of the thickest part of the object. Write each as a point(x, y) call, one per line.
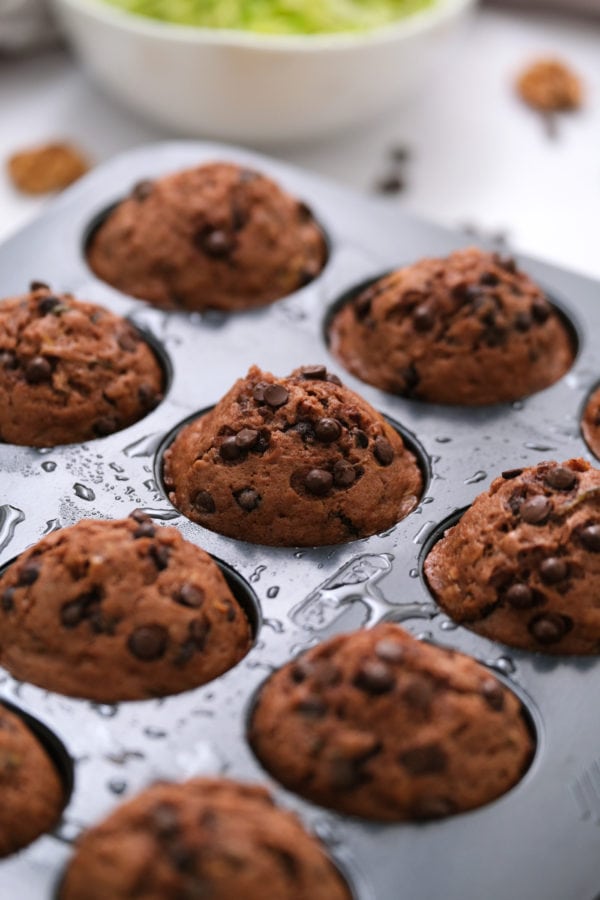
point(539, 841)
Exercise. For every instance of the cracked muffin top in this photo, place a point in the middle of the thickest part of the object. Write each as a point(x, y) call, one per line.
point(218, 236)
point(471, 329)
point(118, 610)
point(202, 838)
point(522, 565)
point(70, 371)
point(296, 461)
point(379, 725)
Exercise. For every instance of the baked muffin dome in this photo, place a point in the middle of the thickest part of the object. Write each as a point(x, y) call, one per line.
point(590, 424)
point(118, 610)
point(70, 371)
point(522, 565)
point(296, 461)
point(203, 838)
point(32, 792)
point(470, 329)
point(379, 725)
point(215, 237)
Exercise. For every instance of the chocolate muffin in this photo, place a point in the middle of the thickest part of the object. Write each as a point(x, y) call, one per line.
point(590, 424)
point(379, 725)
point(470, 329)
point(296, 461)
point(522, 565)
point(70, 371)
point(215, 237)
point(203, 838)
point(119, 610)
point(32, 792)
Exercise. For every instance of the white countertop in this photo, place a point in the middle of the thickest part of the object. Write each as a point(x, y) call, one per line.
point(478, 156)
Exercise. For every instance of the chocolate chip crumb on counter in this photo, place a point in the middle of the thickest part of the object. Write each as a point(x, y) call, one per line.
point(296, 461)
point(522, 565)
point(32, 792)
point(118, 610)
point(471, 329)
point(215, 237)
point(379, 725)
point(204, 838)
point(70, 371)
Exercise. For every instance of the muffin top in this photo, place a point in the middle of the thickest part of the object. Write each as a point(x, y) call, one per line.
point(296, 461)
point(218, 236)
point(379, 725)
point(118, 610)
point(470, 329)
point(70, 371)
point(522, 565)
point(203, 838)
point(32, 792)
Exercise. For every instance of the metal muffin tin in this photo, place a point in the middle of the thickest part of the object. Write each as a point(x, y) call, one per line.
point(538, 842)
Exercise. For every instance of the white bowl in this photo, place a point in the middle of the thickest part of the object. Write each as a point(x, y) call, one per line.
point(257, 88)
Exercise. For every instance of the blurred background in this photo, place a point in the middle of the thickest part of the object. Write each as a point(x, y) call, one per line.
point(427, 114)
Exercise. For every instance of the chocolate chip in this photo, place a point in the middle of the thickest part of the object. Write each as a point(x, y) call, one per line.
point(327, 430)
point(259, 391)
point(163, 818)
point(590, 538)
point(493, 694)
point(312, 707)
point(384, 452)
point(301, 670)
point(411, 379)
point(362, 306)
point(343, 473)
point(138, 515)
point(190, 595)
point(344, 775)
point(508, 474)
point(424, 760)
point(507, 263)
point(423, 318)
point(128, 341)
point(48, 304)
point(8, 360)
point(523, 321)
point(8, 599)
point(142, 190)
point(230, 449)
point(426, 808)
point(160, 554)
point(148, 642)
point(540, 310)
point(553, 570)
point(419, 694)
point(333, 379)
point(198, 630)
point(536, 510)
point(37, 370)
point(204, 502)
point(276, 395)
point(375, 678)
point(361, 438)
point(30, 572)
point(318, 482)
point(489, 279)
point(520, 596)
point(145, 529)
point(550, 627)
point(246, 438)
point(248, 499)
point(561, 478)
point(38, 286)
point(494, 336)
point(389, 650)
point(314, 373)
point(73, 613)
point(183, 859)
point(214, 242)
point(104, 426)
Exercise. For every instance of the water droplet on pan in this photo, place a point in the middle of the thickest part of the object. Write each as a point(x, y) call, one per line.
point(255, 577)
point(105, 710)
point(48, 466)
point(542, 448)
point(272, 592)
point(144, 446)
point(10, 517)
point(84, 492)
point(480, 475)
point(423, 532)
point(116, 786)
